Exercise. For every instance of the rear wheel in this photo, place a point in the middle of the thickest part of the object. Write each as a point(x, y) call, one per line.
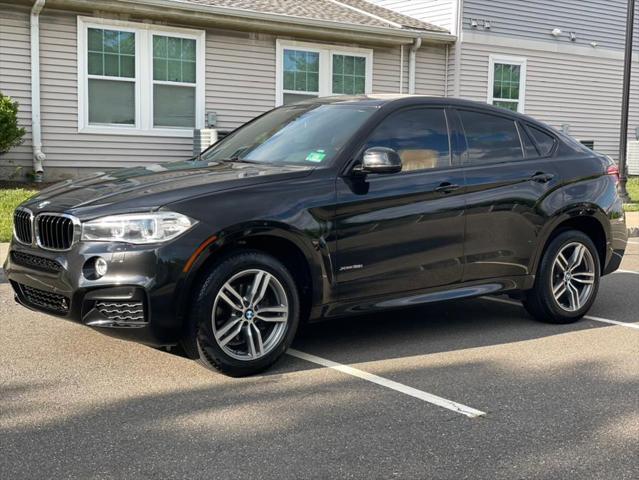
point(567, 280)
point(247, 313)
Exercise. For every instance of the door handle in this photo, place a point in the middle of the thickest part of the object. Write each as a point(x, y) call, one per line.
point(541, 177)
point(447, 187)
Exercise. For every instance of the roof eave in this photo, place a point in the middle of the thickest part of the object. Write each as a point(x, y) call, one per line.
point(249, 20)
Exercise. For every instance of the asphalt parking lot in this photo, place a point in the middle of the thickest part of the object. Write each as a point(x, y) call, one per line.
point(555, 401)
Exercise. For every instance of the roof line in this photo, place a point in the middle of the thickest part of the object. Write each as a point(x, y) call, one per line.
point(252, 14)
point(368, 14)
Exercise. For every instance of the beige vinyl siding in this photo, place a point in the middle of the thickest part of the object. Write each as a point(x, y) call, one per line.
point(240, 84)
point(15, 81)
point(430, 71)
point(240, 76)
point(582, 91)
point(62, 143)
point(386, 70)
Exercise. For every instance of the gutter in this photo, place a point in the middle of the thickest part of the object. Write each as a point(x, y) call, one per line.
point(412, 60)
point(235, 16)
point(36, 133)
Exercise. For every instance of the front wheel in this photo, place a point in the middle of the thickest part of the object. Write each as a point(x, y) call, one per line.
point(567, 280)
point(247, 313)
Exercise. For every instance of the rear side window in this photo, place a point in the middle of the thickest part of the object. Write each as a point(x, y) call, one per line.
point(544, 141)
point(419, 136)
point(490, 138)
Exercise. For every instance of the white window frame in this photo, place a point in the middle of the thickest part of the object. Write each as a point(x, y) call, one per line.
point(326, 53)
point(507, 60)
point(143, 78)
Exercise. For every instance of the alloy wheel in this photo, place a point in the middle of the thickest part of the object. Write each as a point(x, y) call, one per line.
point(573, 276)
point(250, 314)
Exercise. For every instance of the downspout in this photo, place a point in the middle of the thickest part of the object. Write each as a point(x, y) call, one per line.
point(36, 133)
point(411, 64)
point(401, 69)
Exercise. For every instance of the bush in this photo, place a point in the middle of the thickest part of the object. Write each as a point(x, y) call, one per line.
point(10, 133)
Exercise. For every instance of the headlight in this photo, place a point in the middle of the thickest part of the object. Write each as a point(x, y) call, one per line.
point(137, 227)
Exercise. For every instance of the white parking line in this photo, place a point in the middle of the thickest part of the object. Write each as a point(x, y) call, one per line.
point(384, 382)
point(626, 271)
point(587, 317)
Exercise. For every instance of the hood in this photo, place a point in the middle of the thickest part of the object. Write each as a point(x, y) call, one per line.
point(153, 186)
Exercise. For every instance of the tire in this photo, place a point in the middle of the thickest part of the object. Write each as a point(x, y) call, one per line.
point(229, 338)
point(553, 298)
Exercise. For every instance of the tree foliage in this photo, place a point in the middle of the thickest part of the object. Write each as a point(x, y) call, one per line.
point(10, 133)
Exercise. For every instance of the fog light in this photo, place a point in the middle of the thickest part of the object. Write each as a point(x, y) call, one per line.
point(101, 267)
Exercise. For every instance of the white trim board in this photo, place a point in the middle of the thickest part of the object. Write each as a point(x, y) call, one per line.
point(520, 44)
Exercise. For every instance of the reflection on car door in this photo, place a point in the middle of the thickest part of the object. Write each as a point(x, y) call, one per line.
point(509, 183)
point(404, 231)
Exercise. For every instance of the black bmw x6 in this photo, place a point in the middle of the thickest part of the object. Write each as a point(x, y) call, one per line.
point(325, 208)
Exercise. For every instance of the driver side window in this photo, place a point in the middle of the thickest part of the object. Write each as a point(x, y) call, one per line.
point(419, 136)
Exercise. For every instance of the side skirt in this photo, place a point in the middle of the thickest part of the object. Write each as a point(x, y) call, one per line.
point(417, 297)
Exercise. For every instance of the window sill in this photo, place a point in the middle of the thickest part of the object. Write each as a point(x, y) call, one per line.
point(156, 132)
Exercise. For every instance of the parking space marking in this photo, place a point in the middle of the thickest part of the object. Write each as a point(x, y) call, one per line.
point(626, 271)
point(384, 382)
point(587, 317)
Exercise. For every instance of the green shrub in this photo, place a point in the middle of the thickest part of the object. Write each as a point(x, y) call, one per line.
point(10, 133)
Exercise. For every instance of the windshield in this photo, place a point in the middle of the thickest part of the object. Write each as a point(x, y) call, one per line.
point(293, 135)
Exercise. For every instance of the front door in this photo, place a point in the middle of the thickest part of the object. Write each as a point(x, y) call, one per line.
point(402, 232)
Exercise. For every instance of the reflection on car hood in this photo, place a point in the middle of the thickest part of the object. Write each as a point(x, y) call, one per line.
point(152, 186)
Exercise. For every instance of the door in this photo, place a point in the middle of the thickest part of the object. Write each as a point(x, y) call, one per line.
point(403, 231)
point(510, 184)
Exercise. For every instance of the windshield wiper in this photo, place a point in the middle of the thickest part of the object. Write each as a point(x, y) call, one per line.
point(239, 160)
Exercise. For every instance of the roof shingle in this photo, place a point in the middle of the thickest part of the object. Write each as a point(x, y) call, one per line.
point(358, 12)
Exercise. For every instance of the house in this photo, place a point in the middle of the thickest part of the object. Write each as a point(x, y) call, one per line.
point(560, 61)
point(105, 84)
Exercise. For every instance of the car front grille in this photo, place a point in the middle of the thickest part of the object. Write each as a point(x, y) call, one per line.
point(121, 311)
point(33, 261)
point(22, 226)
point(54, 232)
point(45, 300)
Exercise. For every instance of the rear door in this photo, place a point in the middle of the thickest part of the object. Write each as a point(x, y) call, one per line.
point(404, 231)
point(509, 193)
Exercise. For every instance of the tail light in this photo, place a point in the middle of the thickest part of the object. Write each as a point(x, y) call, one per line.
point(614, 171)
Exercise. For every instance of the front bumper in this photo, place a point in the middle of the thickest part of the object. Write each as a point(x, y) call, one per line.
point(133, 301)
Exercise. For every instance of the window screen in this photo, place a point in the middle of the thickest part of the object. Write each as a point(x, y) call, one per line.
point(349, 75)
point(419, 136)
point(174, 77)
point(301, 75)
point(490, 138)
point(111, 76)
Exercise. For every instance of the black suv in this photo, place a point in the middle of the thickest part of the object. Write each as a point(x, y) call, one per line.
point(329, 207)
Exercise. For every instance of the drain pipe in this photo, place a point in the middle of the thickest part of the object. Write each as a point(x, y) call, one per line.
point(412, 58)
point(36, 133)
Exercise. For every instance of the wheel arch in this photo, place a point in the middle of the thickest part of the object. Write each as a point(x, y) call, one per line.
point(589, 219)
point(303, 257)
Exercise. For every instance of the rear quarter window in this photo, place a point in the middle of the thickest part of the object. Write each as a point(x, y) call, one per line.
point(545, 142)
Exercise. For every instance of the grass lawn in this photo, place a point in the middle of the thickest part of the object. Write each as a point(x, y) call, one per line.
point(10, 198)
point(633, 190)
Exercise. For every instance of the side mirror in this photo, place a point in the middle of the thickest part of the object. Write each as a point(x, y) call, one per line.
point(379, 160)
